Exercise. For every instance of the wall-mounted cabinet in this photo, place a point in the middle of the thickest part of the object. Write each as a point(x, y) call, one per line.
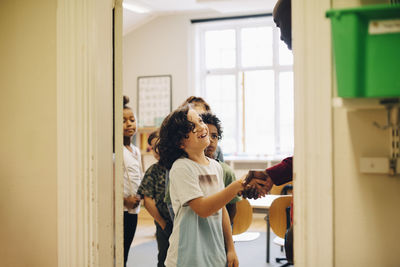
point(366, 42)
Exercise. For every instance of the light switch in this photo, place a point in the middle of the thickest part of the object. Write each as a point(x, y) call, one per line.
point(374, 165)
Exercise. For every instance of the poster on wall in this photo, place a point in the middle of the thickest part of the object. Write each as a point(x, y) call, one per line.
point(154, 99)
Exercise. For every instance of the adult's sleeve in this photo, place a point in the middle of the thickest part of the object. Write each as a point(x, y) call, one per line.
point(282, 172)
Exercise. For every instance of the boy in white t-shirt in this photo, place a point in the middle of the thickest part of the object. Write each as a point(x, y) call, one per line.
point(201, 235)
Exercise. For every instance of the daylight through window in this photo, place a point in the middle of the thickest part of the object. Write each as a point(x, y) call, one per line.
point(246, 74)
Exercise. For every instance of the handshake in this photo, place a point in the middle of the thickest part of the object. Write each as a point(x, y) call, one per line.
point(256, 184)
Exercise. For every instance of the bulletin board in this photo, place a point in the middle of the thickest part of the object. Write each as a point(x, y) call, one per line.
point(154, 99)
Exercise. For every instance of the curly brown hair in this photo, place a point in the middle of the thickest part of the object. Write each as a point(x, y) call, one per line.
point(126, 101)
point(210, 118)
point(173, 130)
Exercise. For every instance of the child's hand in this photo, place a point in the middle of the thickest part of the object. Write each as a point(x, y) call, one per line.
point(131, 202)
point(136, 202)
point(256, 189)
point(232, 259)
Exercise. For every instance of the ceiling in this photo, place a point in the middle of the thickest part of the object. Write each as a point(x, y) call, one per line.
point(132, 20)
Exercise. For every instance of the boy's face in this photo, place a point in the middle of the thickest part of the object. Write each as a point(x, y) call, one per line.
point(129, 123)
point(153, 146)
point(198, 138)
point(213, 132)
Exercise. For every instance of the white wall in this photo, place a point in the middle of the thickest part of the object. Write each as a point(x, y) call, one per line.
point(162, 46)
point(28, 157)
point(157, 48)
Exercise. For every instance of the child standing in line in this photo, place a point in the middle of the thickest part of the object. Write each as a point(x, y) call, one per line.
point(152, 189)
point(132, 177)
point(201, 235)
point(215, 132)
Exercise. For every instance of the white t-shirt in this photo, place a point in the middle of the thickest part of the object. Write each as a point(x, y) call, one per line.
point(195, 241)
point(132, 179)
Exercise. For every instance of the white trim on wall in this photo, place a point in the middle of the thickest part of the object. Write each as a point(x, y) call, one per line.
point(118, 132)
point(313, 171)
point(84, 139)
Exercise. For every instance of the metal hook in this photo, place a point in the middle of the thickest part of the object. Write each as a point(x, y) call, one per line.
point(392, 115)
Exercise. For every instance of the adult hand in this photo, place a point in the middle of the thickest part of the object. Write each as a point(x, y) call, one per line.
point(232, 259)
point(256, 174)
point(254, 191)
point(257, 184)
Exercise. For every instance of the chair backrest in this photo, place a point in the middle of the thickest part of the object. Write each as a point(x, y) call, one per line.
point(278, 216)
point(243, 217)
point(278, 189)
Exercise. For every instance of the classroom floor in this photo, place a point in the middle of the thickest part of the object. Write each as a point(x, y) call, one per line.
point(146, 229)
point(145, 237)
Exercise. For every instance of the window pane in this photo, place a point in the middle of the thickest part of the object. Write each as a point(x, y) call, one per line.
point(285, 55)
point(220, 49)
point(221, 95)
point(259, 113)
point(286, 121)
point(256, 46)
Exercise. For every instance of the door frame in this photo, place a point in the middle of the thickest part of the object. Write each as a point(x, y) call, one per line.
point(88, 235)
point(313, 156)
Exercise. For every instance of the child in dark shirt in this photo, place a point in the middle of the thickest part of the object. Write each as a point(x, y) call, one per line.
point(152, 189)
point(215, 133)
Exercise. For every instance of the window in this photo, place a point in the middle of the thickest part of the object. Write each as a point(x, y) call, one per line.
point(246, 74)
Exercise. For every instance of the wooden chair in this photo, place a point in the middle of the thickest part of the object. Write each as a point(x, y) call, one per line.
point(284, 189)
point(243, 217)
point(280, 221)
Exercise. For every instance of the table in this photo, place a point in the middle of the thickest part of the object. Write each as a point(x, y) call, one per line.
point(262, 205)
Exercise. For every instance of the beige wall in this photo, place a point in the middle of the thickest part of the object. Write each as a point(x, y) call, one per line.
point(366, 206)
point(157, 48)
point(28, 174)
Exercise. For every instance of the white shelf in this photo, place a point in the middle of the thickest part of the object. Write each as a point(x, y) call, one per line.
point(357, 103)
point(245, 158)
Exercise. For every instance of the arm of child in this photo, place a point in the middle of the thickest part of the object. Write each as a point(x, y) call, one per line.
point(231, 256)
point(207, 206)
point(150, 206)
point(231, 209)
point(189, 191)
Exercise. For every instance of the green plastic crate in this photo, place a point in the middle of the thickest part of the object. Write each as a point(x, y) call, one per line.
point(366, 42)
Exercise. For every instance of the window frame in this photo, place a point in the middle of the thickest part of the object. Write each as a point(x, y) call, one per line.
point(202, 71)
